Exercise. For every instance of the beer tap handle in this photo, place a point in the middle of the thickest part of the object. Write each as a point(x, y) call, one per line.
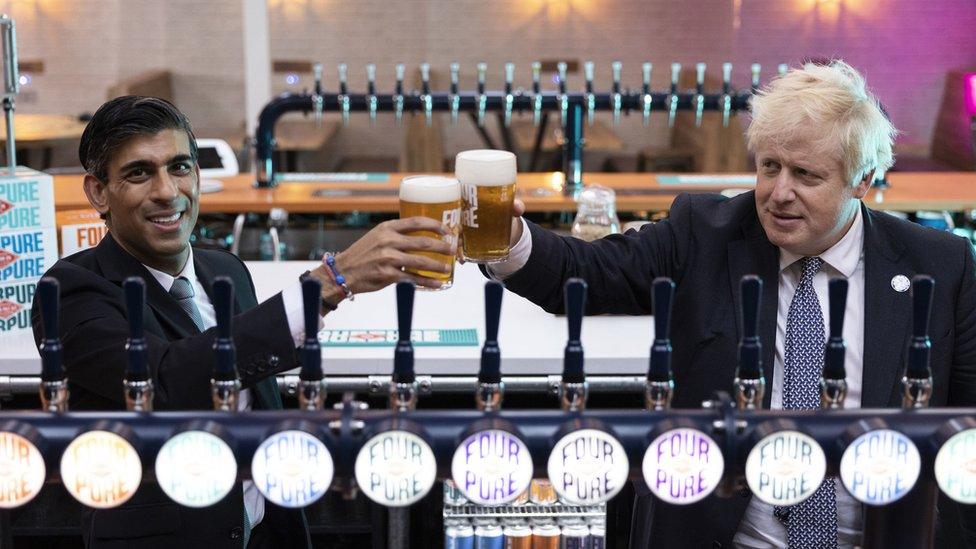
point(660, 382)
point(536, 93)
point(782, 68)
point(490, 388)
point(455, 98)
point(344, 92)
point(318, 101)
point(311, 382)
point(54, 384)
point(482, 98)
point(673, 96)
point(403, 386)
point(699, 93)
point(225, 384)
point(647, 99)
point(615, 69)
point(574, 393)
point(726, 93)
point(833, 381)
point(371, 92)
point(138, 386)
point(755, 69)
point(425, 92)
point(749, 380)
point(590, 96)
point(509, 98)
point(398, 96)
point(563, 98)
point(918, 375)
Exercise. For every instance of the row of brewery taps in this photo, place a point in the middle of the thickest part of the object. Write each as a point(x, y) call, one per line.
point(510, 93)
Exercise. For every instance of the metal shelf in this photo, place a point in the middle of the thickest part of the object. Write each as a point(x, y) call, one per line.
point(528, 510)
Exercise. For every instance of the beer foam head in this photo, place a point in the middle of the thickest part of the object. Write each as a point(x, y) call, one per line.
point(485, 167)
point(429, 189)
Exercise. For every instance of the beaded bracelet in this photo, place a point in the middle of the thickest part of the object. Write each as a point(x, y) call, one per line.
point(329, 261)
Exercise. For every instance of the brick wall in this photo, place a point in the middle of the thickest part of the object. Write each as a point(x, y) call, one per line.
point(904, 47)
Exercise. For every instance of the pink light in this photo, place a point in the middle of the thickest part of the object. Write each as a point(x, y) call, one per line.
point(970, 94)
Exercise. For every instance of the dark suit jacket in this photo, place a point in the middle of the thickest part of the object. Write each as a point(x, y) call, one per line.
point(706, 245)
point(181, 359)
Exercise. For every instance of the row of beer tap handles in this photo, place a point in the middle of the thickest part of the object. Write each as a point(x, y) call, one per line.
point(619, 100)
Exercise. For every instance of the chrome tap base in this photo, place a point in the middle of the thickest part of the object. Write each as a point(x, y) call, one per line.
point(488, 397)
point(916, 392)
point(138, 395)
point(403, 396)
point(54, 396)
point(311, 394)
point(832, 393)
point(749, 393)
point(225, 394)
point(658, 394)
point(572, 396)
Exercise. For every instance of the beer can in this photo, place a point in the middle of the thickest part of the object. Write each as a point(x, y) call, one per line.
point(452, 494)
point(545, 535)
point(574, 534)
point(489, 535)
point(522, 499)
point(598, 533)
point(541, 492)
point(458, 534)
point(518, 535)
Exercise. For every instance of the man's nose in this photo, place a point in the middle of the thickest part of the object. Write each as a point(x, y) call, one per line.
point(783, 190)
point(165, 187)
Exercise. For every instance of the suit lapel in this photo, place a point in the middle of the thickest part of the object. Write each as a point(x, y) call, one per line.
point(117, 265)
point(886, 313)
point(754, 254)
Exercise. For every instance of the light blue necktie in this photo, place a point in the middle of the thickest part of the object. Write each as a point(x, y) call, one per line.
point(811, 524)
point(182, 291)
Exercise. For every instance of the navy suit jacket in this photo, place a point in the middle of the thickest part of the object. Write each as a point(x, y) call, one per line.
point(181, 359)
point(706, 245)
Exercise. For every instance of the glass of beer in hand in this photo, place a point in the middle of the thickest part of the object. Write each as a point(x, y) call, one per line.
point(487, 180)
point(438, 198)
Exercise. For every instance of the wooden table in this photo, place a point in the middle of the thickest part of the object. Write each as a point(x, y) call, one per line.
point(910, 191)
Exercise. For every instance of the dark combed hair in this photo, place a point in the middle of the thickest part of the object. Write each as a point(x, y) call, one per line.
point(125, 117)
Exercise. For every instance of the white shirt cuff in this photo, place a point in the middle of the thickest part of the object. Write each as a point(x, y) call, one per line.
point(291, 296)
point(518, 256)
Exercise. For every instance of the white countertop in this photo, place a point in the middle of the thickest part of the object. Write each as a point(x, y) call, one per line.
point(531, 340)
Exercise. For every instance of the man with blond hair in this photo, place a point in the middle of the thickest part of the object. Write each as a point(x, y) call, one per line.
point(819, 139)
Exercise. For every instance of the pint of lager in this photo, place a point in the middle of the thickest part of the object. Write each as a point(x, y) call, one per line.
point(438, 198)
point(487, 180)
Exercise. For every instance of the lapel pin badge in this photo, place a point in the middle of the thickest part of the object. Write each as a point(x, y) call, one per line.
point(900, 283)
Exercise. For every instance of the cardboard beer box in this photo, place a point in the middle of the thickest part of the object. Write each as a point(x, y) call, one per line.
point(27, 255)
point(15, 305)
point(80, 230)
point(26, 200)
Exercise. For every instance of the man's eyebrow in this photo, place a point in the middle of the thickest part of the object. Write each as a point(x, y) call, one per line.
point(179, 158)
point(140, 163)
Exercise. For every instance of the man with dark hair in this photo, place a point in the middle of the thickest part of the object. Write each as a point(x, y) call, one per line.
point(142, 177)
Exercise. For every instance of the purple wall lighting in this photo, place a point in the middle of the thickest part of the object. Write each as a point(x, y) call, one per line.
point(970, 83)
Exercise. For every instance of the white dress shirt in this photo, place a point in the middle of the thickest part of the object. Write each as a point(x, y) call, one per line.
point(759, 529)
point(292, 297)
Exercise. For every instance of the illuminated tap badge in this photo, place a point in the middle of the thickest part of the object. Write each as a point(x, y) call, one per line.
point(492, 467)
point(955, 467)
point(879, 467)
point(396, 468)
point(683, 466)
point(292, 469)
point(22, 470)
point(101, 469)
point(196, 469)
point(785, 468)
point(588, 466)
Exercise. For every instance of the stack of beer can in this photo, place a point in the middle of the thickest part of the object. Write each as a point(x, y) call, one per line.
point(536, 520)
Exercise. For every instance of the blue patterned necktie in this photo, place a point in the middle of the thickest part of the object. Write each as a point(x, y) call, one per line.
point(182, 290)
point(811, 524)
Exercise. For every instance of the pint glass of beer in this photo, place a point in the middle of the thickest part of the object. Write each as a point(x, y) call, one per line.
point(487, 180)
point(438, 198)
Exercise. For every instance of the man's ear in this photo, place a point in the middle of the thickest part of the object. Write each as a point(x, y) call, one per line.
point(97, 193)
point(864, 185)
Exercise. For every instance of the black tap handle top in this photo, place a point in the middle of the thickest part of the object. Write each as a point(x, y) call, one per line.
point(750, 348)
point(490, 371)
point(920, 347)
point(135, 300)
point(662, 296)
point(223, 290)
point(403, 371)
point(836, 348)
point(575, 295)
point(48, 295)
point(311, 349)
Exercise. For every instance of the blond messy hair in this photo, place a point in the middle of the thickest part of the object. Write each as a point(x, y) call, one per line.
point(834, 101)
